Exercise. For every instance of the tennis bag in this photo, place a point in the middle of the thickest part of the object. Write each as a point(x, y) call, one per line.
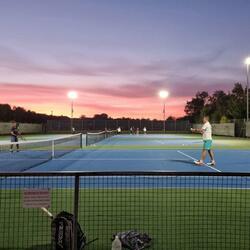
point(62, 232)
point(133, 240)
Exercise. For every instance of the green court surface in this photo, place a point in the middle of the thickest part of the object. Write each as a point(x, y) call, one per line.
point(174, 218)
point(171, 141)
point(168, 141)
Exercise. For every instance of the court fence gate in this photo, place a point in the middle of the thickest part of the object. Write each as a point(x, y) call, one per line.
point(177, 210)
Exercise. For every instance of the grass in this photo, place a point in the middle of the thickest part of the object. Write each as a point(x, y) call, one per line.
point(175, 218)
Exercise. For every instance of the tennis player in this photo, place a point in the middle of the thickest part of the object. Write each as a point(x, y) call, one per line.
point(131, 130)
point(14, 132)
point(206, 132)
point(145, 130)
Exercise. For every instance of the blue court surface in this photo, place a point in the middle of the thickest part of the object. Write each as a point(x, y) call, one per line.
point(156, 153)
point(173, 153)
point(146, 160)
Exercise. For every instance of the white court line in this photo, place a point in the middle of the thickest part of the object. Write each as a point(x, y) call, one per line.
point(111, 159)
point(88, 159)
point(23, 159)
point(180, 152)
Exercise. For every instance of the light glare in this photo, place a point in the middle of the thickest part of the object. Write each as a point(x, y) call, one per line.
point(163, 94)
point(72, 95)
point(247, 61)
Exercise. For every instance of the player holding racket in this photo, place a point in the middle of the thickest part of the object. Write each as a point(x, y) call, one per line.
point(14, 133)
point(206, 132)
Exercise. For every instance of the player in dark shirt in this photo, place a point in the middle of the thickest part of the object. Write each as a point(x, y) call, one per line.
point(14, 136)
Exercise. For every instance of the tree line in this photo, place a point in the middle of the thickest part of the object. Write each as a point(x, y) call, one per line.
point(220, 106)
point(19, 114)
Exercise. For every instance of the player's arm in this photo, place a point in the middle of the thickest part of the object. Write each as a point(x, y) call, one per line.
point(12, 132)
point(197, 130)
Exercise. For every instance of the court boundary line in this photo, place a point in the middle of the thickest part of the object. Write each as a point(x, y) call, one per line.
point(87, 159)
point(190, 157)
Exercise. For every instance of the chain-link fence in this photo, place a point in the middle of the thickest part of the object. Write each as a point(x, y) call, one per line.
point(125, 124)
point(177, 210)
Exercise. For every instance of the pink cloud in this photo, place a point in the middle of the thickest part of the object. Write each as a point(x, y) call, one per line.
point(135, 99)
point(47, 98)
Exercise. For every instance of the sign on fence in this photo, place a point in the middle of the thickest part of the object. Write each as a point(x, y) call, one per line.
point(36, 198)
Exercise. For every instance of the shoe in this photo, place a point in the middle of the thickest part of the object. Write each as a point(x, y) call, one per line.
point(199, 163)
point(212, 163)
point(11, 150)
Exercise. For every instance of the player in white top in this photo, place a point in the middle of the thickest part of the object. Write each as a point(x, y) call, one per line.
point(119, 130)
point(206, 132)
point(145, 130)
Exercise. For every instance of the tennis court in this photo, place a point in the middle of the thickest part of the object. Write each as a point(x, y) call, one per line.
point(143, 182)
point(153, 152)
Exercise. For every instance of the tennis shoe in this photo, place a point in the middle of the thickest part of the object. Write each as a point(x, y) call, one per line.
point(199, 163)
point(212, 163)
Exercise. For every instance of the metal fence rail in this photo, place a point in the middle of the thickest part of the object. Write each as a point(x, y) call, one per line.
point(178, 210)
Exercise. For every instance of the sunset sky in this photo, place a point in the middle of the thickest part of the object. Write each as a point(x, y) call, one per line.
point(119, 53)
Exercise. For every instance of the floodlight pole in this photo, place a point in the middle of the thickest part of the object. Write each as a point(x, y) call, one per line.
point(72, 95)
point(164, 117)
point(163, 94)
point(248, 91)
point(72, 115)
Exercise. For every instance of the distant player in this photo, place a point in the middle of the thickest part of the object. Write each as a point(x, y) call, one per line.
point(131, 130)
point(206, 132)
point(119, 130)
point(14, 133)
point(137, 131)
point(145, 130)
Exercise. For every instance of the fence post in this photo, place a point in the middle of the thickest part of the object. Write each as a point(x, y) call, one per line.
point(81, 137)
point(53, 149)
point(76, 205)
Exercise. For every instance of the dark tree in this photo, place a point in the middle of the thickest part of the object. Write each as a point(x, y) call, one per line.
point(102, 116)
point(237, 104)
point(194, 108)
point(5, 113)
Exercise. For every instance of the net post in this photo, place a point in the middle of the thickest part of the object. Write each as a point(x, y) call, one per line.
point(53, 149)
point(76, 205)
point(81, 146)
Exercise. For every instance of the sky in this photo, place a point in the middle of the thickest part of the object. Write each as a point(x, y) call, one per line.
point(118, 54)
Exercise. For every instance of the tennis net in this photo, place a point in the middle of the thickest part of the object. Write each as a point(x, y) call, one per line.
point(24, 155)
point(92, 138)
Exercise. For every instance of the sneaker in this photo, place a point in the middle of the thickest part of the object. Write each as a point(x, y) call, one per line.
point(11, 150)
point(212, 163)
point(199, 163)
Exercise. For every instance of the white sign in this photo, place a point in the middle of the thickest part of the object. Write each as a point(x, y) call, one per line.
point(36, 198)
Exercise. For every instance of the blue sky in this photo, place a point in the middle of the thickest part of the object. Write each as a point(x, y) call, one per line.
point(117, 54)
